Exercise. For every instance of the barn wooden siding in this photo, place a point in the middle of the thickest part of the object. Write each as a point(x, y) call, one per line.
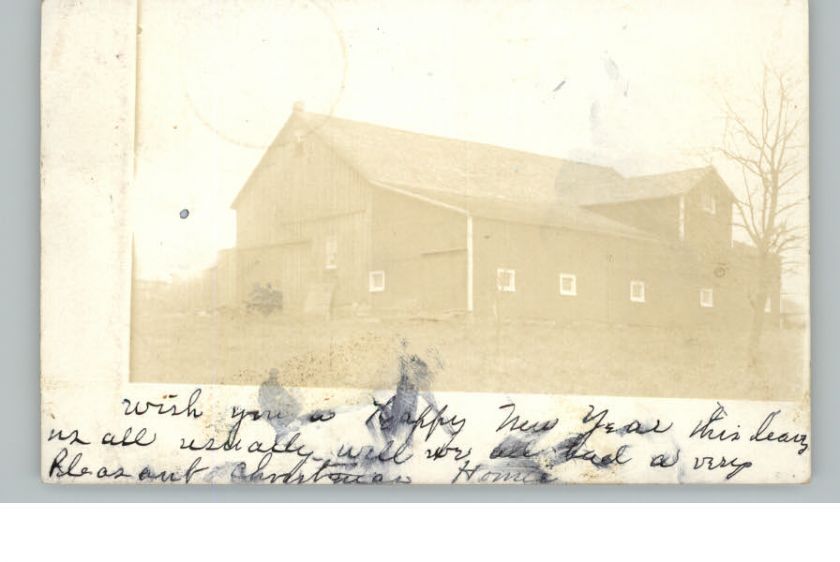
point(422, 248)
point(708, 232)
point(604, 265)
point(661, 216)
point(284, 219)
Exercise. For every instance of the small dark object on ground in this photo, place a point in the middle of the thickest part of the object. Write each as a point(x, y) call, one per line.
point(265, 300)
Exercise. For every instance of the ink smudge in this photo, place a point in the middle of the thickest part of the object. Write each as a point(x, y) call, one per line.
point(277, 400)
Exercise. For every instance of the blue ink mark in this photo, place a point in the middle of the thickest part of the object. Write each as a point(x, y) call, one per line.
point(515, 447)
point(398, 416)
point(274, 398)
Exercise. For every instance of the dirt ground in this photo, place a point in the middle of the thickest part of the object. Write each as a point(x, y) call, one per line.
point(464, 355)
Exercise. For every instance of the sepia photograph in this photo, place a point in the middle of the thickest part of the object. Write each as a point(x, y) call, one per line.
point(367, 242)
point(526, 208)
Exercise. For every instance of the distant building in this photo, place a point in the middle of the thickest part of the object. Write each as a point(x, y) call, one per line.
point(343, 216)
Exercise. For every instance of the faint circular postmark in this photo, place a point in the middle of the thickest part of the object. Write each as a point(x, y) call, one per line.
point(241, 74)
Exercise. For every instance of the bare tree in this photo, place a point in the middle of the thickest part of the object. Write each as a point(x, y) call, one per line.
point(765, 149)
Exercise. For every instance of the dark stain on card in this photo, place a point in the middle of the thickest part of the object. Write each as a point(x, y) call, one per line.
point(274, 398)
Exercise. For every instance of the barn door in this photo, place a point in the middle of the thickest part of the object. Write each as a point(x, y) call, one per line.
point(444, 281)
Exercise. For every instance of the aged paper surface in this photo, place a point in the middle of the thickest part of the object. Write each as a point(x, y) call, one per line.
point(479, 242)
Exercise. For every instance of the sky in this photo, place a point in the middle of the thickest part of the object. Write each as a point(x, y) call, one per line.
point(643, 84)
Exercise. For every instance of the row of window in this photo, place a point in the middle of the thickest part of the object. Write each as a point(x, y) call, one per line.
point(506, 283)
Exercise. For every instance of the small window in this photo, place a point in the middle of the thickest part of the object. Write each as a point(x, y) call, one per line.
point(707, 298)
point(376, 281)
point(298, 142)
point(681, 226)
point(506, 280)
point(568, 285)
point(330, 252)
point(637, 291)
point(708, 202)
point(768, 305)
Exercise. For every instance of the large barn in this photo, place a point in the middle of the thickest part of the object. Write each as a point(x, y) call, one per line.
point(344, 217)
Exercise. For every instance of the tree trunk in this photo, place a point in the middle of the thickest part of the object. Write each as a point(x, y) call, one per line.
point(756, 329)
point(757, 326)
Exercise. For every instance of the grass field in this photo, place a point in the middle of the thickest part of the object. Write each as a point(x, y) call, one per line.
point(477, 356)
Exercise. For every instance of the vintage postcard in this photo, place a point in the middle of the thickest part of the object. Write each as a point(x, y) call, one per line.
point(515, 241)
